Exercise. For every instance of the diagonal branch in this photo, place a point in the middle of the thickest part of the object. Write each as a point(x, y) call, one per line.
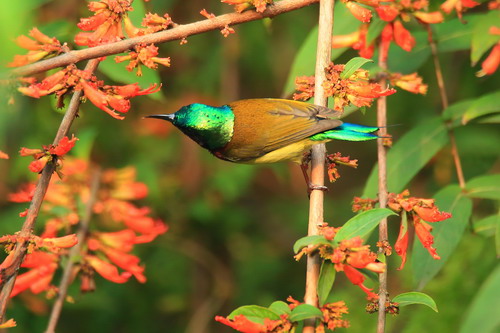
point(75, 251)
point(177, 33)
point(10, 272)
point(323, 56)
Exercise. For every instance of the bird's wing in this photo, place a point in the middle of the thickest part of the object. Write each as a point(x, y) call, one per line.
point(264, 125)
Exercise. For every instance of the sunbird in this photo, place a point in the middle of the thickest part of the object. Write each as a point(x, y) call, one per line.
point(263, 130)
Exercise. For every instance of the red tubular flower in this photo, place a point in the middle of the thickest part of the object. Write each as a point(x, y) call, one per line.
point(401, 245)
point(348, 40)
point(357, 279)
point(4, 155)
point(361, 13)
point(410, 82)
point(431, 214)
point(403, 37)
point(41, 47)
point(38, 278)
point(64, 146)
point(126, 261)
point(242, 324)
point(9, 324)
point(423, 231)
point(491, 63)
point(387, 13)
point(429, 18)
point(25, 194)
point(37, 165)
point(107, 270)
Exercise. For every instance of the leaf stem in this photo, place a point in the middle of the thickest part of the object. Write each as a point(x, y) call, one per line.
point(445, 104)
point(11, 271)
point(323, 55)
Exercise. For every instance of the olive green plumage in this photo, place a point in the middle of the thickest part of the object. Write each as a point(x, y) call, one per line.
point(263, 130)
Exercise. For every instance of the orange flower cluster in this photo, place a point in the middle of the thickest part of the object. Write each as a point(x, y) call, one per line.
point(106, 24)
point(111, 99)
point(118, 225)
point(48, 153)
point(418, 210)
point(348, 256)
point(40, 47)
point(241, 5)
point(333, 159)
point(356, 89)
point(394, 12)
point(410, 82)
point(332, 316)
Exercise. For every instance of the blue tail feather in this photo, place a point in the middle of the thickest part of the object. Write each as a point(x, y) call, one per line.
point(347, 132)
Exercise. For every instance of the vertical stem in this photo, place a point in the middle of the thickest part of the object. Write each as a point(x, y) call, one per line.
point(323, 56)
point(75, 251)
point(444, 102)
point(10, 272)
point(382, 193)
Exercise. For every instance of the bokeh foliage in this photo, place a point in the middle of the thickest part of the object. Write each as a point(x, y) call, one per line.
point(232, 227)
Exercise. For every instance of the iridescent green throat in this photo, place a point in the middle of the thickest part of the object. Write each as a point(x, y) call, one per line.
point(211, 127)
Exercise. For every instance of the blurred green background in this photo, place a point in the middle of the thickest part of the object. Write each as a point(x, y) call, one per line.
point(232, 227)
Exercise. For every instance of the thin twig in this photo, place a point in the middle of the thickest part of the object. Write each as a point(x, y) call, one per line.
point(75, 251)
point(444, 102)
point(323, 56)
point(382, 193)
point(10, 272)
point(177, 33)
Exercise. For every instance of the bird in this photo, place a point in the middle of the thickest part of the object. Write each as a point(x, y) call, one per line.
point(264, 130)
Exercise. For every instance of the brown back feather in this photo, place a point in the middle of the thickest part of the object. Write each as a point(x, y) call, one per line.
point(264, 125)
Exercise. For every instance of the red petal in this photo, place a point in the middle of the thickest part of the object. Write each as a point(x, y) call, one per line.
point(423, 231)
point(359, 12)
point(403, 37)
point(431, 214)
point(242, 324)
point(401, 245)
point(387, 13)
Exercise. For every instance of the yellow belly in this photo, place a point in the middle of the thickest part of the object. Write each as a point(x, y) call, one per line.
point(293, 152)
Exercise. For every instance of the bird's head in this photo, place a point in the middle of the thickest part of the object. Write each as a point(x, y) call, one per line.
point(211, 127)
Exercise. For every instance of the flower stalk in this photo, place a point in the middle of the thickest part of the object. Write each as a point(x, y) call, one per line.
point(323, 55)
point(444, 102)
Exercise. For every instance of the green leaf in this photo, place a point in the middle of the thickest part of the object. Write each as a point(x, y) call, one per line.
point(485, 187)
point(254, 313)
point(456, 110)
point(374, 30)
point(497, 237)
point(362, 224)
point(352, 66)
point(482, 315)
point(481, 39)
point(484, 105)
point(487, 226)
point(406, 62)
point(309, 240)
point(447, 234)
point(280, 307)
point(305, 60)
point(452, 35)
point(325, 282)
point(305, 311)
point(409, 155)
point(415, 298)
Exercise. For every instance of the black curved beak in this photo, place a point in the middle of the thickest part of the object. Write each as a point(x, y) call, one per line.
point(167, 117)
